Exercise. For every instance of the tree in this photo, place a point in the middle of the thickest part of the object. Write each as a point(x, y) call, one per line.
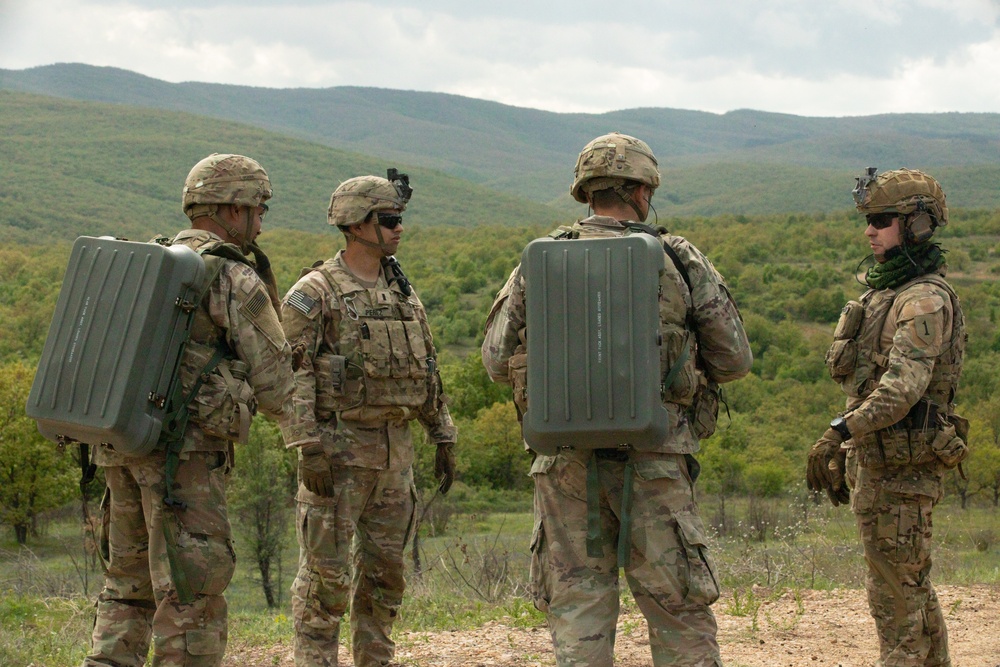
point(35, 474)
point(723, 465)
point(261, 493)
point(983, 464)
point(984, 467)
point(491, 451)
point(469, 388)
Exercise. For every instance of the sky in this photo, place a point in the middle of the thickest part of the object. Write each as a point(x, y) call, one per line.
point(802, 57)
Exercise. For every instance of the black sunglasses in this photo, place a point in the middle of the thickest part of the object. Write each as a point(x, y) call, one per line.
point(389, 220)
point(881, 220)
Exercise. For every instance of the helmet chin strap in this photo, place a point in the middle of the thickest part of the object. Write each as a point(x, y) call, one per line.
point(381, 241)
point(630, 200)
point(245, 243)
point(231, 229)
point(371, 244)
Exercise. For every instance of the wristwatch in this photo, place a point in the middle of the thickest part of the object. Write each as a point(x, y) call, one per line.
point(839, 424)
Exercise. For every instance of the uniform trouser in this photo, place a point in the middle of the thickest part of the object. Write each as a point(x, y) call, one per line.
point(669, 570)
point(896, 535)
point(375, 509)
point(140, 601)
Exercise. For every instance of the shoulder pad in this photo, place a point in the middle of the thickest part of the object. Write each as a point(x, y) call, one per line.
point(309, 269)
point(226, 251)
point(642, 228)
point(562, 232)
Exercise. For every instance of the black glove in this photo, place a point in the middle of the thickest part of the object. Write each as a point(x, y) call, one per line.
point(314, 470)
point(444, 465)
point(826, 466)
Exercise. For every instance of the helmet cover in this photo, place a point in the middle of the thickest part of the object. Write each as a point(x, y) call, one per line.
point(355, 199)
point(610, 160)
point(902, 191)
point(226, 179)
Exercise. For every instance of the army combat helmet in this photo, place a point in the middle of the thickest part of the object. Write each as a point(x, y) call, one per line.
point(357, 198)
point(610, 161)
point(914, 195)
point(224, 179)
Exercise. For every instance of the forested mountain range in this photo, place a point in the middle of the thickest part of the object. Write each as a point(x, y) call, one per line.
point(69, 168)
point(743, 162)
point(774, 217)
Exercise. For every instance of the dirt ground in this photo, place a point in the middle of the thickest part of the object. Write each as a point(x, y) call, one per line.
point(817, 629)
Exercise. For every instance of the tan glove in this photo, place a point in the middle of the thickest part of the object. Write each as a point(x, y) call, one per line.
point(826, 467)
point(298, 354)
point(314, 470)
point(444, 465)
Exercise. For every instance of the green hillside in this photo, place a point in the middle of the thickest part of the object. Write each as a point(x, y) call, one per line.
point(790, 275)
point(72, 168)
point(744, 162)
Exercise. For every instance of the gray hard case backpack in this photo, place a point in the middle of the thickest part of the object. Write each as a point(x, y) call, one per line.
point(593, 343)
point(111, 356)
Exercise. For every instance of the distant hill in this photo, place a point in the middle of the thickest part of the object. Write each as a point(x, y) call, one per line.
point(743, 162)
point(70, 168)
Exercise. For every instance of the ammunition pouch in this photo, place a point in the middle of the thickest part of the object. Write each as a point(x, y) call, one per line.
point(224, 404)
point(335, 391)
point(841, 358)
point(677, 365)
point(895, 447)
point(394, 359)
point(922, 437)
point(704, 411)
point(393, 376)
point(949, 447)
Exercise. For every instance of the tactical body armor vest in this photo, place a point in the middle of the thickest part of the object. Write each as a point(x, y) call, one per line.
point(378, 366)
point(856, 362)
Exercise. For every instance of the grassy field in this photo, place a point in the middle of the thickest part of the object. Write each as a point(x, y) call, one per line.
point(475, 569)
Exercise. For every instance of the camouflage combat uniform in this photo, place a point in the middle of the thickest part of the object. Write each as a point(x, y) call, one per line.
point(140, 600)
point(894, 350)
point(669, 569)
point(367, 369)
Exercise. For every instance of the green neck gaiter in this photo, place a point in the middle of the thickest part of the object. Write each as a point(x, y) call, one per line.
point(903, 267)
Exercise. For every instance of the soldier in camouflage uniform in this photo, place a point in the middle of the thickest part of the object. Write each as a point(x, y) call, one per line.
point(365, 367)
point(897, 354)
point(166, 536)
point(668, 567)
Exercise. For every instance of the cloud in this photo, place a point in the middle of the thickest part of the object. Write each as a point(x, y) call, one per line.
point(840, 57)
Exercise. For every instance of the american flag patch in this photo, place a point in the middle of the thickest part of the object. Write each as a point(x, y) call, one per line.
point(256, 303)
point(300, 301)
